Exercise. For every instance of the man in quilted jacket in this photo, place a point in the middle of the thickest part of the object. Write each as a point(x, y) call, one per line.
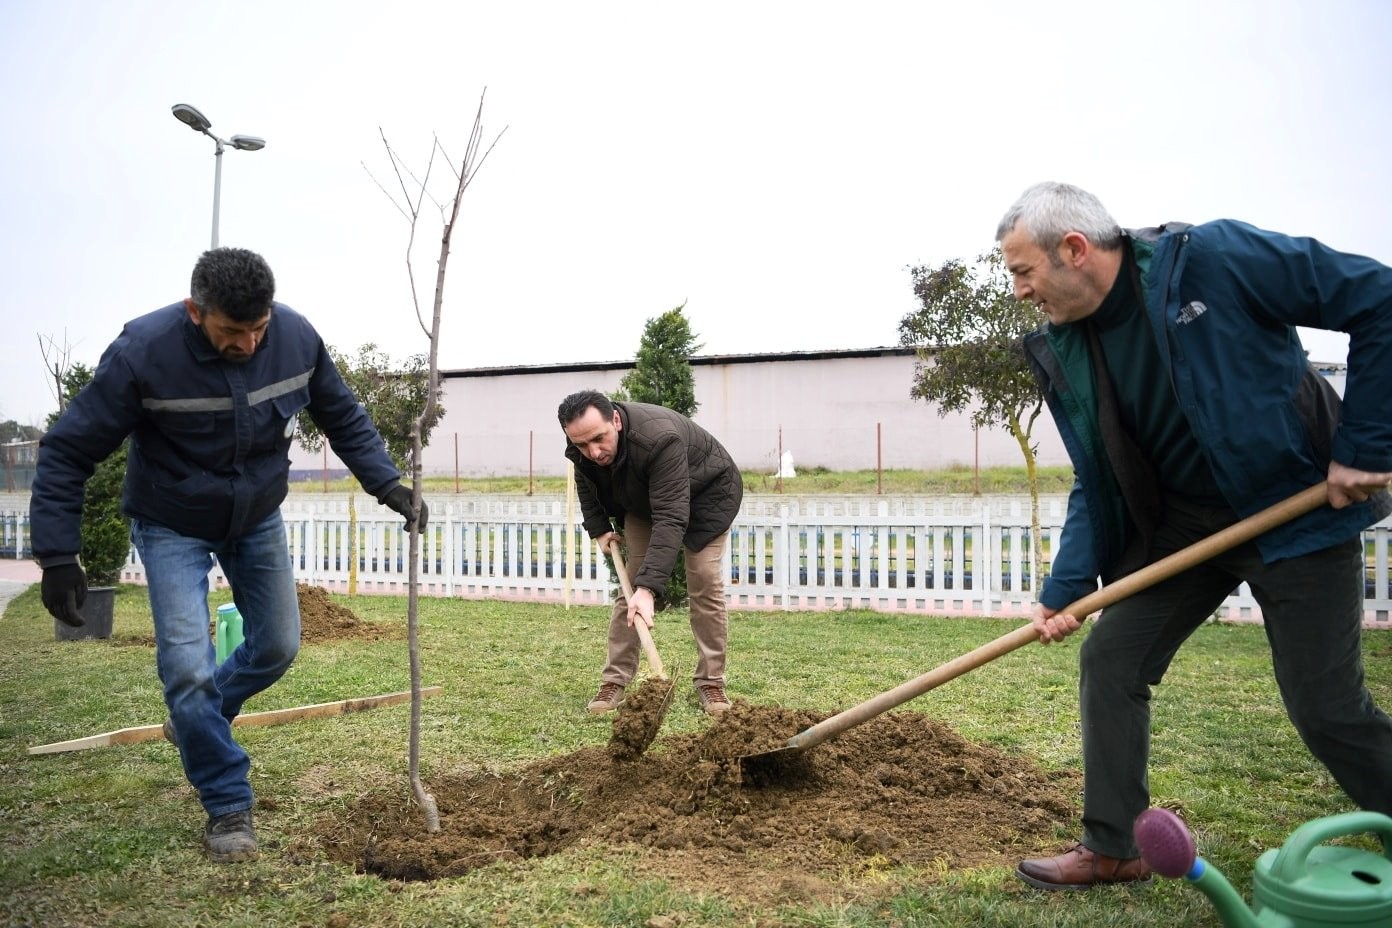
point(653, 480)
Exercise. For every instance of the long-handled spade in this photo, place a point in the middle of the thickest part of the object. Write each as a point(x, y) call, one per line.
point(641, 713)
point(766, 765)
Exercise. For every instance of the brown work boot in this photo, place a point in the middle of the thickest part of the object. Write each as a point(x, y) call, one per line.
point(607, 699)
point(230, 838)
point(1079, 868)
point(713, 700)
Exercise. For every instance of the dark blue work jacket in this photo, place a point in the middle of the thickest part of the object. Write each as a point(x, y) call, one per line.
point(210, 438)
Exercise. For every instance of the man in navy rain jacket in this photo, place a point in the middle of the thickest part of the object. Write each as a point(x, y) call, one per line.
point(1173, 369)
point(208, 391)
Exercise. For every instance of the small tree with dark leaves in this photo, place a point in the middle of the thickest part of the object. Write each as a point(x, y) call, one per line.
point(661, 372)
point(662, 375)
point(967, 333)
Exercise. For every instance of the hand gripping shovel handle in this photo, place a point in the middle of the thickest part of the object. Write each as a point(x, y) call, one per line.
point(1238, 533)
point(649, 648)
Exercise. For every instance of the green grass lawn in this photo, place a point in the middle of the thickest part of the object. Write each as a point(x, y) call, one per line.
point(113, 836)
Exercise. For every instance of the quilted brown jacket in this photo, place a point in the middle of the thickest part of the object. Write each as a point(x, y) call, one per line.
point(668, 471)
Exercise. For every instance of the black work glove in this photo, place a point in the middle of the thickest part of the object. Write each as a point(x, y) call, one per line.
point(400, 499)
point(64, 591)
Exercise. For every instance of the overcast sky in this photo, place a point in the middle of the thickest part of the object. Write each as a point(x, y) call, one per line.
point(776, 166)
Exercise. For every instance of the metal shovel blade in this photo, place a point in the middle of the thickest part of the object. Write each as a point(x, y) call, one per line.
point(764, 766)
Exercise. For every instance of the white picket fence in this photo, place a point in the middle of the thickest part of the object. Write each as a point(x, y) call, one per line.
point(938, 555)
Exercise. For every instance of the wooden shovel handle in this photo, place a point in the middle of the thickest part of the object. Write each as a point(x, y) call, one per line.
point(645, 636)
point(1256, 524)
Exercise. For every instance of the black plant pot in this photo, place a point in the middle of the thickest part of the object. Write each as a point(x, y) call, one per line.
point(96, 615)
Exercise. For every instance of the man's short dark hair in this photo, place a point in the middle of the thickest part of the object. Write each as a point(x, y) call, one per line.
point(233, 281)
point(574, 406)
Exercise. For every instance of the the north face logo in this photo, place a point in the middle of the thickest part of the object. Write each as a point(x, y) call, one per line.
point(1189, 313)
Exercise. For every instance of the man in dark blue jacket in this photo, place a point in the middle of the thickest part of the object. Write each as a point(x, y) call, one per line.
point(1179, 385)
point(208, 391)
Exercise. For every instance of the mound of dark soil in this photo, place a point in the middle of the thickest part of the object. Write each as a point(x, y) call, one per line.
point(322, 619)
point(899, 789)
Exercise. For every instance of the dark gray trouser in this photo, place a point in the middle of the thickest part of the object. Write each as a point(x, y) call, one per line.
point(1312, 608)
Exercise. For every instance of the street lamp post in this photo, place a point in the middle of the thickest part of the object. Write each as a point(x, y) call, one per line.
point(199, 123)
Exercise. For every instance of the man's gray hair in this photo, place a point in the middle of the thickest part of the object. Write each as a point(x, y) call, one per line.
point(1050, 210)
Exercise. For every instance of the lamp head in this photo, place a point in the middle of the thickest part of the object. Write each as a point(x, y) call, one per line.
point(191, 117)
point(247, 143)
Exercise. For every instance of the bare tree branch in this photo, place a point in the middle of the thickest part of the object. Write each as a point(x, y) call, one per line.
point(413, 216)
point(422, 186)
point(399, 208)
point(57, 361)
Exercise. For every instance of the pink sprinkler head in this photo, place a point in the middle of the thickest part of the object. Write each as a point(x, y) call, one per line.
point(1165, 843)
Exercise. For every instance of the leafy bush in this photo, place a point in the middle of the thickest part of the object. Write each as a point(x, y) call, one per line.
point(105, 529)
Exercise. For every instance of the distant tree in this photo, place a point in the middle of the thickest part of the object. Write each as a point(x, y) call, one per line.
point(967, 333)
point(662, 375)
point(10, 430)
point(74, 377)
point(394, 396)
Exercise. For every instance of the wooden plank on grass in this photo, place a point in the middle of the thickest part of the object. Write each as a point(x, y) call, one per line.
point(273, 717)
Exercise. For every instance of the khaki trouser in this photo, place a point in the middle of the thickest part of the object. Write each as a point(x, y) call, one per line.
point(706, 589)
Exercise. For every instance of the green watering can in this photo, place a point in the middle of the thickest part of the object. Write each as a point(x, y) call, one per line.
point(1303, 885)
point(228, 631)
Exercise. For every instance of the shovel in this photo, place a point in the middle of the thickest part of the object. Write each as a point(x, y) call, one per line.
point(636, 726)
point(764, 765)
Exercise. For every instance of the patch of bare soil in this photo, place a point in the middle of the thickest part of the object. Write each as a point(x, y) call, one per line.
point(901, 789)
point(321, 619)
point(132, 641)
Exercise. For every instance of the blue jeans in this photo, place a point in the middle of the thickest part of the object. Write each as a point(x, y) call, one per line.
point(204, 697)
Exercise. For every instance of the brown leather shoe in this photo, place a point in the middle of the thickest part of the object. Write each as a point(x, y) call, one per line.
point(607, 699)
point(713, 698)
point(1081, 868)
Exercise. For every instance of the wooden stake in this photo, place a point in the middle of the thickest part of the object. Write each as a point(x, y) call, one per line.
point(273, 717)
